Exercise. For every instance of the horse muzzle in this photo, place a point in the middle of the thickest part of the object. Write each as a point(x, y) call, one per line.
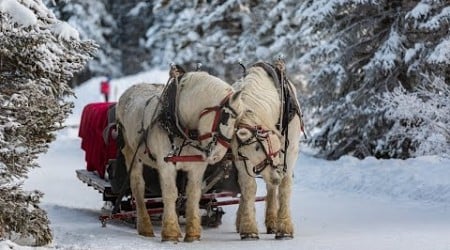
point(276, 174)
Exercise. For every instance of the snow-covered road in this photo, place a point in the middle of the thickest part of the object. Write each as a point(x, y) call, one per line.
point(324, 219)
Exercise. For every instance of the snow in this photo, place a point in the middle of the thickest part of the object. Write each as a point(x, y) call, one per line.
point(19, 13)
point(64, 31)
point(441, 53)
point(388, 54)
point(343, 204)
point(435, 22)
point(412, 52)
point(421, 10)
point(137, 9)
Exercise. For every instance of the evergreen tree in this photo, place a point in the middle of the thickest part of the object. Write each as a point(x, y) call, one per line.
point(349, 53)
point(38, 57)
point(358, 50)
point(117, 26)
point(206, 32)
point(94, 21)
point(343, 55)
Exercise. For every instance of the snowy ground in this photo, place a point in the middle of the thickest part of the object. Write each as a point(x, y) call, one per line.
point(344, 204)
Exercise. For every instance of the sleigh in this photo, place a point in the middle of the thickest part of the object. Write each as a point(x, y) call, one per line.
point(106, 172)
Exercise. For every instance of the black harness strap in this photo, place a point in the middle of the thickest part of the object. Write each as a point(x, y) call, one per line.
point(168, 116)
point(142, 140)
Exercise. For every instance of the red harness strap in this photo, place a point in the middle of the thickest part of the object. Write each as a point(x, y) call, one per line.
point(271, 153)
point(215, 126)
point(184, 158)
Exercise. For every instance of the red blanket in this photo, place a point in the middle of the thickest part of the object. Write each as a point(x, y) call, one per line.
point(94, 120)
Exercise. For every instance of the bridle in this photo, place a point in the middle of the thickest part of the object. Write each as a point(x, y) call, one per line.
point(259, 135)
point(223, 113)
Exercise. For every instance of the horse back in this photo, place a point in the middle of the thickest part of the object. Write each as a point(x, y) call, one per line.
point(137, 107)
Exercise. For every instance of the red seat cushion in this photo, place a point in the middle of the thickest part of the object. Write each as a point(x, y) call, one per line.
point(94, 120)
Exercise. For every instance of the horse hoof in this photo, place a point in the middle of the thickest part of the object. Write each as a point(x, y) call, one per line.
point(284, 236)
point(271, 230)
point(147, 234)
point(249, 236)
point(169, 238)
point(191, 238)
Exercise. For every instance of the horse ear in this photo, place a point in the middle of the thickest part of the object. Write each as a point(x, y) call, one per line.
point(243, 134)
point(176, 71)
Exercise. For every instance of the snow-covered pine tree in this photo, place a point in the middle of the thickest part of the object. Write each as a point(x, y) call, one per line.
point(423, 115)
point(38, 56)
point(210, 32)
point(349, 51)
point(117, 26)
point(358, 50)
point(133, 17)
point(94, 21)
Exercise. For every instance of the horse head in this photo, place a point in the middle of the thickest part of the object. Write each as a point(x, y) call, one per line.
point(259, 149)
point(211, 106)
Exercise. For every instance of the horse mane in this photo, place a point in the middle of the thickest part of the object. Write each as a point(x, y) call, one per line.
point(270, 84)
point(261, 96)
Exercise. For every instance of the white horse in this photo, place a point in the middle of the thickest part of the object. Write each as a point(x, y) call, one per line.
point(260, 94)
point(206, 104)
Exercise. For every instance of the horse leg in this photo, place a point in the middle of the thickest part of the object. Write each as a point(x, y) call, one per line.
point(271, 208)
point(285, 227)
point(193, 191)
point(137, 183)
point(247, 227)
point(238, 216)
point(170, 226)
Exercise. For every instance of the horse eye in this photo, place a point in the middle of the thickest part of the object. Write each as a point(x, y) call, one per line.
point(257, 147)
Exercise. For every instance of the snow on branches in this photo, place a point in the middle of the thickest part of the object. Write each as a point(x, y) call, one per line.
point(384, 47)
point(422, 115)
point(39, 55)
point(346, 52)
